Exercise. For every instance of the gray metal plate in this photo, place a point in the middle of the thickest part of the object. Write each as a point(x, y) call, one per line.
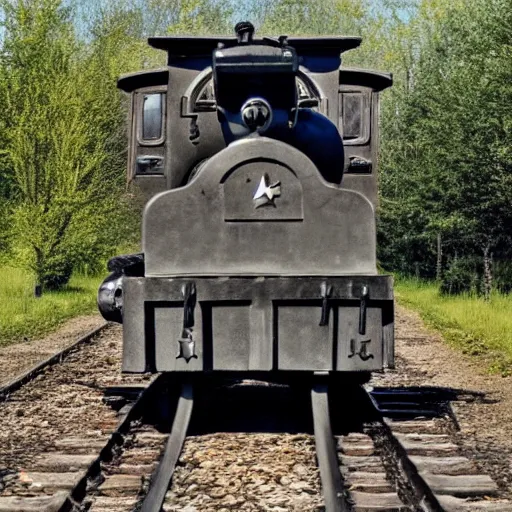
point(356, 351)
point(231, 335)
point(257, 324)
point(302, 343)
point(168, 330)
point(212, 226)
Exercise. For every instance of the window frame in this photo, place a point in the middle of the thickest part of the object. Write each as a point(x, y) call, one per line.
point(162, 90)
point(366, 115)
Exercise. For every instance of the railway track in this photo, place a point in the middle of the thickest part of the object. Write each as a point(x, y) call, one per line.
point(394, 456)
point(56, 418)
point(368, 462)
point(384, 449)
point(57, 358)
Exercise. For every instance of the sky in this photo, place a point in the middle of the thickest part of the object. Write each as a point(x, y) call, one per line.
point(402, 9)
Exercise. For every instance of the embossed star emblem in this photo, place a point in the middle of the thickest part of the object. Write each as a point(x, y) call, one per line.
point(266, 192)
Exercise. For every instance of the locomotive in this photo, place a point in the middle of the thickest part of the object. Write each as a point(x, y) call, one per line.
point(256, 159)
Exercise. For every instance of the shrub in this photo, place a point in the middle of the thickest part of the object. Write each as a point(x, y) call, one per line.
point(463, 275)
point(56, 273)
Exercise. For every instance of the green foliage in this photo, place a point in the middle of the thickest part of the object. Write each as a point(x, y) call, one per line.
point(148, 18)
point(466, 275)
point(65, 142)
point(502, 275)
point(5, 232)
point(463, 275)
point(308, 17)
point(446, 136)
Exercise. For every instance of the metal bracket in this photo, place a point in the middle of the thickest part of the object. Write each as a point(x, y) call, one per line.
point(326, 292)
point(187, 345)
point(362, 310)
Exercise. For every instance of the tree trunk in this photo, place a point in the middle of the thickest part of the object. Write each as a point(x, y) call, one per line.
point(454, 262)
point(487, 273)
point(439, 264)
point(38, 288)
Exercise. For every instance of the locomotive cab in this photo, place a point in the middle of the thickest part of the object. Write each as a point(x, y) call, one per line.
point(359, 92)
point(348, 97)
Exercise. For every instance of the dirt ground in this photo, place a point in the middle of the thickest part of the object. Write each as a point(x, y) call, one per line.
point(17, 358)
point(424, 359)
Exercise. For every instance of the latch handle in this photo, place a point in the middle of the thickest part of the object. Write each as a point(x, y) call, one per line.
point(362, 310)
point(188, 291)
point(187, 343)
point(326, 293)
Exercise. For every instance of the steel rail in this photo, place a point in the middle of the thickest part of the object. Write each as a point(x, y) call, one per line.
point(78, 492)
point(330, 476)
point(57, 358)
point(160, 482)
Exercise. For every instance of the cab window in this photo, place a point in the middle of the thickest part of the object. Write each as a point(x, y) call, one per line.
point(355, 117)
point(152, 117)
point(352, 110)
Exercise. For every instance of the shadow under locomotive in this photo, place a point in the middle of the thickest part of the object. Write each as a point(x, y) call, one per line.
point(252, 406)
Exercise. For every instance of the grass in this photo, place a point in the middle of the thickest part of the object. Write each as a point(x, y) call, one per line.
point(22, 316)
point(477, 327)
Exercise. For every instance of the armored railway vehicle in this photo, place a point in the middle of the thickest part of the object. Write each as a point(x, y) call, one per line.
point(256, 160)
point(257, 163)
